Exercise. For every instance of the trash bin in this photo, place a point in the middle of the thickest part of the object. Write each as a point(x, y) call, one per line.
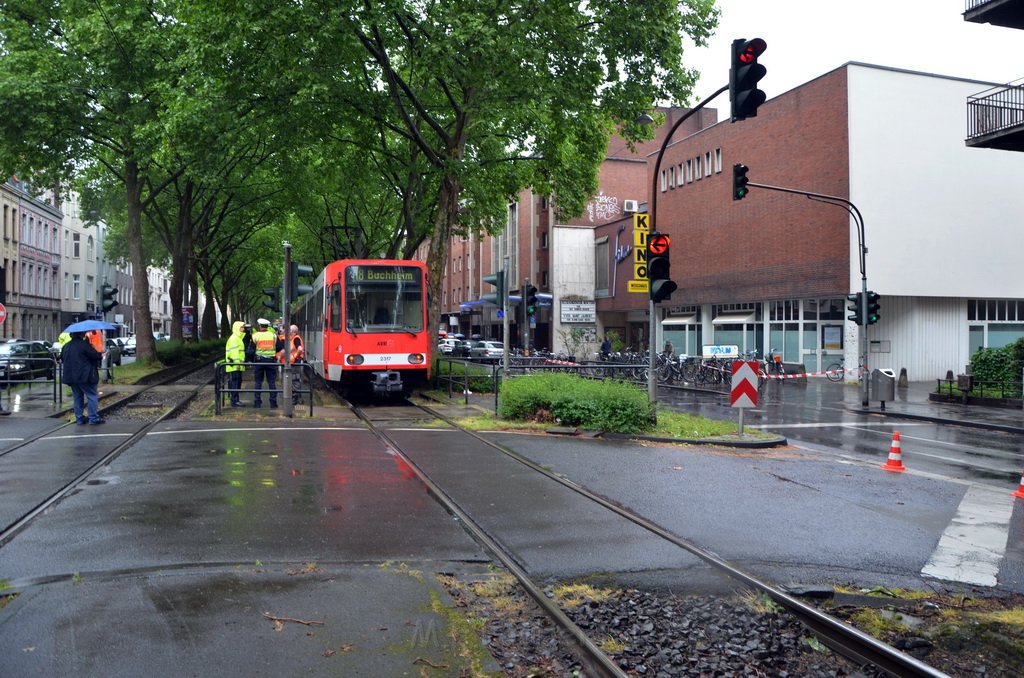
point(883, 385)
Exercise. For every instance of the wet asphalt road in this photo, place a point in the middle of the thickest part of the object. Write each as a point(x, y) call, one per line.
point(176, 556)
point(825, 415)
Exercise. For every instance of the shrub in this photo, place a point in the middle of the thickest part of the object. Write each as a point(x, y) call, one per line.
point(575, 401)
point(999, 364)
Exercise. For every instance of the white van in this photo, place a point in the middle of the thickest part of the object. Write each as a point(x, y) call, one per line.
point(447, 346)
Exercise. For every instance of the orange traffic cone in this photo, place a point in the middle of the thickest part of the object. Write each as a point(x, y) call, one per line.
point(1020, 490)
point(894, 463)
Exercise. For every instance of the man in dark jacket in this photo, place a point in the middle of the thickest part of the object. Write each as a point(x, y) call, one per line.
point(81, 372)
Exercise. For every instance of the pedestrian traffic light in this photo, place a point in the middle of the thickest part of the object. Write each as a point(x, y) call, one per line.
point(659, 267)
point(739, 181)
point(856, 316)
point(295, 289)
point(498, 296)
point(274, 298)
point(872, 308)
point(530, 299)
point(744, 74)
point(109, 297)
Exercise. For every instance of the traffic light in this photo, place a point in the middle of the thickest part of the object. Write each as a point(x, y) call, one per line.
point(274, 298)
point(872, 308)
point(109, 295)
point(740, 181)
point(295, 289)
point(530, 299)
point(744, 74)
point(659, 267)
point(857, 315)
point(498, 297)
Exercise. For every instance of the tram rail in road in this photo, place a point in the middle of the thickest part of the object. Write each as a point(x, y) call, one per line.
point(855, 645)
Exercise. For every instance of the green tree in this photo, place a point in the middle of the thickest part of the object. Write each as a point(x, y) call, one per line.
point(498, 96)
point(83, 84)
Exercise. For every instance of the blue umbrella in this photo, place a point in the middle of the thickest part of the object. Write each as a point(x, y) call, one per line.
point(89, 326)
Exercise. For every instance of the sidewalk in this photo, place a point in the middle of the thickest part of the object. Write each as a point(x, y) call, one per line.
point(912, 402)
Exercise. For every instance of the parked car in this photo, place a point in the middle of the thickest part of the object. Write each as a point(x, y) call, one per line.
point(128, 345)
point(487, 351)
point(113, 351)
point(23, 360)
point(447, 346)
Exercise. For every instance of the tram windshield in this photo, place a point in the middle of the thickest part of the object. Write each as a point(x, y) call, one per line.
point(383, 299)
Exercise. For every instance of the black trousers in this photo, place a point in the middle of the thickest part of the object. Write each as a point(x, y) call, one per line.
point(266, 368)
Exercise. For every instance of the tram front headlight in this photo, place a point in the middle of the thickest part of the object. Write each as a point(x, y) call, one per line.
point(416, 358)
point(354, 359)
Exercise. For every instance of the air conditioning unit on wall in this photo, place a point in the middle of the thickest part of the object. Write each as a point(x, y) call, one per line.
point(631, 206)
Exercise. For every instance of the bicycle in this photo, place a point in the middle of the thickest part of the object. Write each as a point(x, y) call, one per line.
point(837, 371)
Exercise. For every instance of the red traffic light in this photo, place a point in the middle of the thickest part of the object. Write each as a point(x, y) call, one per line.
point(752, 49)
point(658, 243)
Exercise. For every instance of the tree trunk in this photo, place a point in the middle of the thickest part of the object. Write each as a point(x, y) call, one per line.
point(145, 345)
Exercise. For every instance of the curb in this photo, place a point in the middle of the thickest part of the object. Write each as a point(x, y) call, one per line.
point(777, 441)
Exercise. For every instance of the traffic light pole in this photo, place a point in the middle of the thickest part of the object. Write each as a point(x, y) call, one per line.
point(652, 378)
point(863, 251)
point(286, 321)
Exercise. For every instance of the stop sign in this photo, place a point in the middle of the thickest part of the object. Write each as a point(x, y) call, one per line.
point(3, 313)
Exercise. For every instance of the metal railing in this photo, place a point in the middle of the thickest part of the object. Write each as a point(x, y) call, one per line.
point(995, 110)
point(52, 374)
point(220, 390)
point(980, 389)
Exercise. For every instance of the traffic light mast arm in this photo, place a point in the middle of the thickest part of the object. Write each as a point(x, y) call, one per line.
point(855, 213)
point(832, 200)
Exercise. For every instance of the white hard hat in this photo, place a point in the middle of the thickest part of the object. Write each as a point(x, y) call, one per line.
point(262, 321)
point(294, 329)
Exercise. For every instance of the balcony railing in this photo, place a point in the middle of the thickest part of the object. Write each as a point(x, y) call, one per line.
point(995, 118)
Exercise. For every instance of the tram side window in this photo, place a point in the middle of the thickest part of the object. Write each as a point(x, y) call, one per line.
point(335, 302)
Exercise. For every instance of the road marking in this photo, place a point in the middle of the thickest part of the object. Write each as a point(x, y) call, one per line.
point(840, 424)
point(972, 546)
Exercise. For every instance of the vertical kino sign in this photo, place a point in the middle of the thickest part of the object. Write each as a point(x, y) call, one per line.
point(641, 229)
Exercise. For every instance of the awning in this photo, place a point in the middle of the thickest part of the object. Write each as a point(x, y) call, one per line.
point(735, 318)
point(680, 320)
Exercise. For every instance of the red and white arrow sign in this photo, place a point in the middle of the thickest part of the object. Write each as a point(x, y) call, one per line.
point(744, 384)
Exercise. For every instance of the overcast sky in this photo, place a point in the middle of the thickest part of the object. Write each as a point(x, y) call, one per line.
point(807, 38)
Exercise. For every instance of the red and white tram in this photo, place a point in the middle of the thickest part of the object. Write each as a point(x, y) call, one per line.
point(365, 325)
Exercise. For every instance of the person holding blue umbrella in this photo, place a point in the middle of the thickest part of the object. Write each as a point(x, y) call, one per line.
point(81, 372)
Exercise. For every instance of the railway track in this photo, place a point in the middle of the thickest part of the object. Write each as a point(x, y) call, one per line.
point(866, 654)
point(166, 396)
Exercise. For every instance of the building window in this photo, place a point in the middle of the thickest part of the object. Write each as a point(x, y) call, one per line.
point(89, 249)
point(689, 171)
point(664, 186)
point(602, 263)
point(718, 160)
point(671, 177)
point(697, 172)
point(76, 286)
point(707, 164)
point(679, 175)
point(76, 245)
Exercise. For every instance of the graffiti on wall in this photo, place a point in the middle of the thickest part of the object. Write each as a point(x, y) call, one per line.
point(603, 208)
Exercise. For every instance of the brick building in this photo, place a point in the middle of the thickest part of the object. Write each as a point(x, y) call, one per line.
point(772, 271)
